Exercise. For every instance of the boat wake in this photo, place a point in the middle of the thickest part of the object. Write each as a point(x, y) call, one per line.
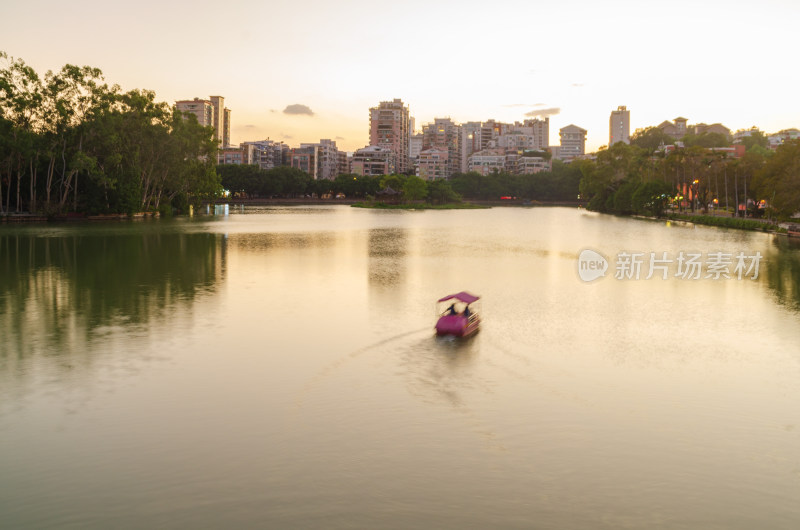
point(333, 366)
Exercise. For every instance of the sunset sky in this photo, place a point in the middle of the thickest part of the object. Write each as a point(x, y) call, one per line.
point(712, 61)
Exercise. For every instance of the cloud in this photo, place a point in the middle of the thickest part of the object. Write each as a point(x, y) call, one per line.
point(298, 109)
point(577, 84)
point(286, 136)
point(249, 126)
point(552, 111)
point(340, 138)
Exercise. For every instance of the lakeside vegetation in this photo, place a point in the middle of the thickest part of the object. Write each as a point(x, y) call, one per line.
point(69, 142)
point(560, 184)
point(728, 222)
point(697, 178)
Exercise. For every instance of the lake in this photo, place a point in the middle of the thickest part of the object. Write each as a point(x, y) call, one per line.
point(276, 367)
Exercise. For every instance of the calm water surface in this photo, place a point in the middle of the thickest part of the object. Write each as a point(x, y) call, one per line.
point(276, 368)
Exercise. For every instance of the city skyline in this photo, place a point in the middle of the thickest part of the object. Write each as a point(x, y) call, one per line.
point(299, 74)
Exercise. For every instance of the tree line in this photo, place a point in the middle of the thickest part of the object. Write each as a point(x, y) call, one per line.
point(69, 142)
point(628, 179)
point(249, 181)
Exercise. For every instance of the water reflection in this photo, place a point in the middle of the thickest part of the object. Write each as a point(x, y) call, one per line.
point(782, 271)
point(387, 256)
point(308, 386)
point(264, 242)
point(58, 292)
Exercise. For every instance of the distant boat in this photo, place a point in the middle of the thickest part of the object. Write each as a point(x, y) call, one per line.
point(458, 315)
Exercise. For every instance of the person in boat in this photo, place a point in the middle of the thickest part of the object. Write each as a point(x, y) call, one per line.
point(452, 309)
point(467, 312)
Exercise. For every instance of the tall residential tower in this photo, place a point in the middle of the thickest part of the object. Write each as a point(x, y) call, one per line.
point(389, 128)
point(210, 113)
point(619, 126)
point(573, 142)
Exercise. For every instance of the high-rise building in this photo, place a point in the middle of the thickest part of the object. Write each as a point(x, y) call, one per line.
point(222, 120)
point(470, 142)
point(306, 158)
point(327, 159)
point(443, 135)
point(202, 108)
point(226, 128)
point(619, 126)
point(268, 154)
point(414, 149)
point(573, 142)
point(540, 130)
point(210, 113)
point(434, 164)
point(373, 161)
point(342, 163)
point(389, 128)
point(244, 154)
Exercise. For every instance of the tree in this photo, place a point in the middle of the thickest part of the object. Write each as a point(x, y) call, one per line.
point(441, 192)
point(651, 138)
point(651, 198)
point(778, 181)
point(415, 189)
point(706, 139)
point(20, 106)
point(393, 181)
point(755, 139)
point(623, 197)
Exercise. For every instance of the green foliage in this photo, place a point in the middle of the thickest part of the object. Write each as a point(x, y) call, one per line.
point(727, 222)
point(651, 138)
point(706, 139)
point(651, 198)
point(441, 192)
point(757, 139)
point(778, 180)
point(415, 189)
point(357, 185)
point(561, 183)
point(623, 198)
point(393, 181)
point(71, 142)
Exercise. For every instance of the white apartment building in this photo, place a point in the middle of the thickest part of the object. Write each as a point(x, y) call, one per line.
point(573, 142)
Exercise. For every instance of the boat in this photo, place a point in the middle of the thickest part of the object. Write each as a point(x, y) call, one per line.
point(458, 315)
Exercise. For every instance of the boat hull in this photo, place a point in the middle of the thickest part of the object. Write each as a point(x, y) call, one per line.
point(457, 325)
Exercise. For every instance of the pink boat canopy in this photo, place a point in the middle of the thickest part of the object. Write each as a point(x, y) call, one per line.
point(463, 296)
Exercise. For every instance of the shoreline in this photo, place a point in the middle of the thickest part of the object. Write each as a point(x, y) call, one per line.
point(732, 223)
point(26, 217)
